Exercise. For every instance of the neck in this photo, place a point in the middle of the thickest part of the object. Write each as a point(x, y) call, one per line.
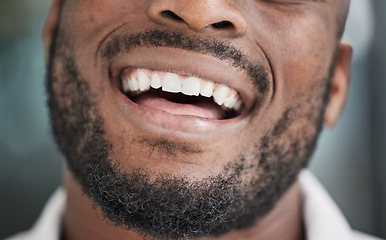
point(83, 221)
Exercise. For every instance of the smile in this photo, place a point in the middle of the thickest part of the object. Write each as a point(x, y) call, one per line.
point(182, 94)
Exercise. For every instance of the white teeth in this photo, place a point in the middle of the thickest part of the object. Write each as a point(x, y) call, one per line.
point(155, 81)
point(138, 82)
point(143, 81)
point(191, 86)
point(171, 83)
point(125, 85)
point(230, 101)
point(220, 94)
point(206, 88)
point(237, 106)
point(133, 84)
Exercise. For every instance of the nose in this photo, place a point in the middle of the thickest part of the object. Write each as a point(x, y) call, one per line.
point(199, 15)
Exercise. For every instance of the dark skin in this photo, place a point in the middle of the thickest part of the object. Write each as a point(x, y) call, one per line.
point(295, 41)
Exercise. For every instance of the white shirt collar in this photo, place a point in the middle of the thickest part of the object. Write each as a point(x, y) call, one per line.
point(322, 218)
point(49, 224)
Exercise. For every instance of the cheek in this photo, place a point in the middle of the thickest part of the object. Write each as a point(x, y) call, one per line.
point(83, 27)
point(87, 22)
point(300, 46)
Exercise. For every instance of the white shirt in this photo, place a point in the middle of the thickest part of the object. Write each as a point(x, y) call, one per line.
point(322, 218)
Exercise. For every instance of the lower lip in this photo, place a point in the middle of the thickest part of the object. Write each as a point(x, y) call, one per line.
point(180, 126)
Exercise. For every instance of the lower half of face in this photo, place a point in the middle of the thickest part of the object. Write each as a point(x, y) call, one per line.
point(179, 184)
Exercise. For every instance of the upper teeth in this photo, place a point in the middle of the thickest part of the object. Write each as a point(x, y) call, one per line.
point(142, 80)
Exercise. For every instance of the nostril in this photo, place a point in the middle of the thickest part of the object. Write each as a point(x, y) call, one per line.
point(223, 25)
point(171, 15)
point(199, 21)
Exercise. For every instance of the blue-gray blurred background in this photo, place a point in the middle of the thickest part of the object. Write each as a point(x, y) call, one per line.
point(350, 160)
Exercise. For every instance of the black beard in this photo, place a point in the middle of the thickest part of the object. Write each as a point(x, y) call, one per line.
point(169, 207)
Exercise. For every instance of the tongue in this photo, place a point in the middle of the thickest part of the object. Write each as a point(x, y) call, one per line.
point(201, 109)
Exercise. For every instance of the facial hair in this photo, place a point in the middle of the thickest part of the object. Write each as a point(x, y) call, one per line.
point(162, 205)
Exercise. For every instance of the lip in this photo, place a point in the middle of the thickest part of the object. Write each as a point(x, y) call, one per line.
point(179, 126)
point(190, 64)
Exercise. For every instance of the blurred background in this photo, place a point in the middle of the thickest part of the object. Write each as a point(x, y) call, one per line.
point(350, 160)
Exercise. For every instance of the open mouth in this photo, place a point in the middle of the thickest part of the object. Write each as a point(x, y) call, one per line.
point(180, 94)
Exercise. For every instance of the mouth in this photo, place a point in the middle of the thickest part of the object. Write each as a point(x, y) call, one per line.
point(180, 94)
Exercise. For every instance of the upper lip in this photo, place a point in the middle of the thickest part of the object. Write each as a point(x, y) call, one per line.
point(187, 63)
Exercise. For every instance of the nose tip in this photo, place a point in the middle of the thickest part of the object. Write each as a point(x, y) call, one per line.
point(199, 15)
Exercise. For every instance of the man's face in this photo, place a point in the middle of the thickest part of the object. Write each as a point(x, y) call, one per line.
point(163, 160)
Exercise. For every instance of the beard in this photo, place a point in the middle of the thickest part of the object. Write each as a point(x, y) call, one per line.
point(166, 206)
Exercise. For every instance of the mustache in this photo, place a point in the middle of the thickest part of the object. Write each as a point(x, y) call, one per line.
point(127, 42)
